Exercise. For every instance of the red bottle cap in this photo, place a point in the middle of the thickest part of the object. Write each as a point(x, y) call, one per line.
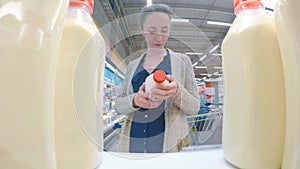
point(87, 5)
point(159, 76)
point(240, 5)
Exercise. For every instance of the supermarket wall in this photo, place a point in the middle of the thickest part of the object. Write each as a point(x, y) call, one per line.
point(118, 61)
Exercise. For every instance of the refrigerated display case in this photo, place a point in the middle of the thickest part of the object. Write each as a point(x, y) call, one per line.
point(111, 118)
point(112, 83)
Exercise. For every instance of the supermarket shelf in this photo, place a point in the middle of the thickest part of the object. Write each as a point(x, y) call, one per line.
point(111, 135)
point(111, 124)
point(111, 141)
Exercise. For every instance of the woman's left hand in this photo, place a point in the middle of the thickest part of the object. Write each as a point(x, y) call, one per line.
point(164, 91)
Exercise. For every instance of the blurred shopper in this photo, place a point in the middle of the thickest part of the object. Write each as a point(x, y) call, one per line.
point(156, 121)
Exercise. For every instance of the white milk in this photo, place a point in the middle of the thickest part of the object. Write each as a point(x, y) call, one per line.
point(28, 58)
point(76, 118)
point(254, 103)
point(288, 29)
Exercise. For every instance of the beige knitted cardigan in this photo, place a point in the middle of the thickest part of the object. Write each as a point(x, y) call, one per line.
point(185, 102)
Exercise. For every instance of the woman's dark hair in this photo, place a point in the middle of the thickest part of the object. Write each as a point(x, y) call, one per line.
point(147, 10)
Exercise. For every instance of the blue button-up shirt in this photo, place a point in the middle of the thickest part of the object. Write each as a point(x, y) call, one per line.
point(148, 125)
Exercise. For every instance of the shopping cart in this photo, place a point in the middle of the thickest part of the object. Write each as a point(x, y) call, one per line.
point(206, 129)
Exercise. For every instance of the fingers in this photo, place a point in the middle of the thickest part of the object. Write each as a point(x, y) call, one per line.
point(165, 91)
point(157, 94)
point(160, 95)
point(172, 84)
point(141, 99)
point(170, 78)
point(142, 93)
point(142, 88)
point(155, 104)
point(145, 102)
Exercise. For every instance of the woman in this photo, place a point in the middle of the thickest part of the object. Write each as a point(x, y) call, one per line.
point(155, 122)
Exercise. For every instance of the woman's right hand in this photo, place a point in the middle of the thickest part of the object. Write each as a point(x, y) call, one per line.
point(142, 99)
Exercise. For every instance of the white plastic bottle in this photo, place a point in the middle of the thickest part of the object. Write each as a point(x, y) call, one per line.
point(79, 87)
point(254, 103)
point(159, 76)
point(288, 30)
point(30, 32)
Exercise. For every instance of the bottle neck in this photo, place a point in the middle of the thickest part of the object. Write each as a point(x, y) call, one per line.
point(80, 15)
point(250, 4)
point(84, 6)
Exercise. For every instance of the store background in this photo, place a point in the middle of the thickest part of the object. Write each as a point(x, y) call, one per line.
point(197, 31)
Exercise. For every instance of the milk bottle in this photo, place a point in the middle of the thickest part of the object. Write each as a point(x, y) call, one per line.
point(81, 58)
point(288, 31)
point(254, 103)
point(158, 76)
point(30, 32)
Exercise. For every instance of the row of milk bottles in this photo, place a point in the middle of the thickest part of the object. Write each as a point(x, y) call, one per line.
point(52, 56)
point(261, 58)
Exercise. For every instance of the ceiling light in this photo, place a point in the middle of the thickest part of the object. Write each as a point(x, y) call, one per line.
point(215, 73)
point(200, 67)
point(218, 23)
point(202, 58)
point(193, 53)
point(110, 66)
point(217, 54)
point(179, 20)
point(217, 67)
point(149, 2)
point(195, 64)
point(214, 48)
